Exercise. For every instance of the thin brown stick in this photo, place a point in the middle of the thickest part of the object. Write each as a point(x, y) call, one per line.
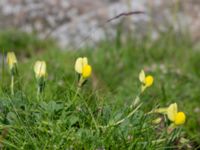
point(126, 14)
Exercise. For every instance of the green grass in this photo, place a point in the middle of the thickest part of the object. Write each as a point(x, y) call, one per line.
point(22, 43)
point(61, 119)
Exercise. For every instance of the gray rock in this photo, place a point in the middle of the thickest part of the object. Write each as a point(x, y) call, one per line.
point(81, 22)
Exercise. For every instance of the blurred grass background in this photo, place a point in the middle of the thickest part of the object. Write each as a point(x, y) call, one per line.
point(22, 43)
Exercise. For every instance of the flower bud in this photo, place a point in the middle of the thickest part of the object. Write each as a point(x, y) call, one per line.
point(11, 60)
point(40, 69)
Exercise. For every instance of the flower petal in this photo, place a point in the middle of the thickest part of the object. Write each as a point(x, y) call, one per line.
point(180, 118)
point(78, 65)
point(142, 76)
point(87, 70)
point(149, 80)
point(40, 69)
point(84, 61)
point(11, 59)
point(172, 111)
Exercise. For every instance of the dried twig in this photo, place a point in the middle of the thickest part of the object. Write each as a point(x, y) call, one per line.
point(126, 14)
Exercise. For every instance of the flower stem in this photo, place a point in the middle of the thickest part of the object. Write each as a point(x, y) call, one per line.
point(12, 85)
point(128, 116)
point(122, 120)
point(92, 116)
point(76, 94)
point(3, 65)
point(38, 92)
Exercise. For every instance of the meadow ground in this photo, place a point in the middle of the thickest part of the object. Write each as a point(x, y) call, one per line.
point(98, 115)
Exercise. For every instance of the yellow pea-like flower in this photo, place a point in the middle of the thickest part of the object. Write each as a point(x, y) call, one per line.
point(87, 70)
point(80, 63)
point(180, 118)
point(40, 69)
point(146, 81)
point(83, 69)
point(177, 118)
point(11, 60)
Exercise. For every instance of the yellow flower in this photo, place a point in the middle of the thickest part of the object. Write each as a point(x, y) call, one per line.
point(11, 60)
point(82, 67)
point(80, 63)
point(146, 81)
point(40, 69)
point(87, 70)
point(178, 118)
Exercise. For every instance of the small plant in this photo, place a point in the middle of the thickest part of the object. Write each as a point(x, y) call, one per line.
point(40, 74)
point(12, 64)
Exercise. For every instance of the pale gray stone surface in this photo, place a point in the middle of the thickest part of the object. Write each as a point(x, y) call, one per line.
point(81, 22)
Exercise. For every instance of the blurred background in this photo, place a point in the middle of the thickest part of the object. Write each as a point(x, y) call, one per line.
point(80, 22)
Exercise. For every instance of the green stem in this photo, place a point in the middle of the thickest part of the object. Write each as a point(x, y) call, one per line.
point(122, 120)
point(159, 110)
point(158, 141)
point(76, 94)
point(92, 116)
point(128, 116)
point(12, 85)
point(135, 101)
point(81, 81)
point(90, 112)
point(38, 92)
point(40, 88)
point(3, 65)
